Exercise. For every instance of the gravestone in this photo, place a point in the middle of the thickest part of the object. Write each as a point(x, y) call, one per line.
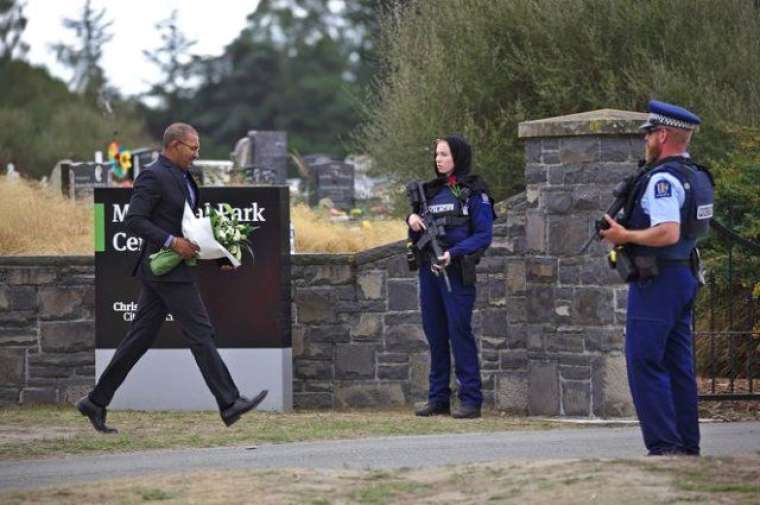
point(142, 158)
point(262, 157)
point(213, 172)
point(84, 177)
point(334, 180)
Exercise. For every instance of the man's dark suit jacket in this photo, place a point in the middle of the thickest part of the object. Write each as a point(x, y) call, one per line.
point(155, 212)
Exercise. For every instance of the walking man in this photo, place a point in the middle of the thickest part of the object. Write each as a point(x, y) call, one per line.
point(155, 215)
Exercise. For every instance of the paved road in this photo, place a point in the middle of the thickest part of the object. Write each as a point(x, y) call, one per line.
point(376, 453)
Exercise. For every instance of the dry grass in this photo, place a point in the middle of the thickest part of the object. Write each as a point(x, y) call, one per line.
point(617, 482)
point(37, 221)
point(316, 233)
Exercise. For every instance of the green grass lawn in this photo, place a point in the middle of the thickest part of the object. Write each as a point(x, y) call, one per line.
point(27, 432)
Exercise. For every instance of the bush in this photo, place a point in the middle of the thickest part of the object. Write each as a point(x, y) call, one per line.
point(483, 66)
point(43, 122)
point(731, 302)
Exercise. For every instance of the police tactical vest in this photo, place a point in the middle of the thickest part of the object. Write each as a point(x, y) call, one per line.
point(451, 213)
point(696, 211)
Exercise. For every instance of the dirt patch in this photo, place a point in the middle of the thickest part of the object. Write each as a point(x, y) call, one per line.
point(730, 411)
point(617, 482)
point(12, 434)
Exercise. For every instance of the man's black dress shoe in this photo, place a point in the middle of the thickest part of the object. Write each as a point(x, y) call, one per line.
point(466, 412)
point(96, 414)
point(231, 414)
point(433, 409)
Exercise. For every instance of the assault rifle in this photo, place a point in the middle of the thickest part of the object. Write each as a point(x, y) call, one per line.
point(621, 192)
point(432, 232)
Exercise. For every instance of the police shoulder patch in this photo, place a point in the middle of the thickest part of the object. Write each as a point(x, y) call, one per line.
point(663, 188)
point(485, 199)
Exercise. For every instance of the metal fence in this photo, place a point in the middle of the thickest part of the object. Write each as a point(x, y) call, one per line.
point(727, 322)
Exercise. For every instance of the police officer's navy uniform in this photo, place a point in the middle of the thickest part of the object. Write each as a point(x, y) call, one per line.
point(658, 327)
point(467, 219)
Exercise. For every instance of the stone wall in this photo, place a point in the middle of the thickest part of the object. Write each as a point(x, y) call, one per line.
point(549, 321)
point(357, 335)
point(47, 329)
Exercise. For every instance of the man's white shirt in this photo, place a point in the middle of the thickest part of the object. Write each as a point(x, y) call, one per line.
point(663, 199)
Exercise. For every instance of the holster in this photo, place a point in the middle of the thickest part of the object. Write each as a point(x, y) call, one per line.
point(634, 268)
point(469, 263)
point(646, 266)
point(697, 267)
point(623, 264)
point(412, 259)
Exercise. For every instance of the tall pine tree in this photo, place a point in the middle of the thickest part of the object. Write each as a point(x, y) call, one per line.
point(173, 59)
point(83, 58)
point(174, 62)
point(298, 66)
point(12, 25)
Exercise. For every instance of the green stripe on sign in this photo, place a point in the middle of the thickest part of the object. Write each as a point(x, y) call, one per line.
point(100, 228)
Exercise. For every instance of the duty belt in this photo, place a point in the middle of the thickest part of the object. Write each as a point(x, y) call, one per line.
point(673, 261)
point(452, 220)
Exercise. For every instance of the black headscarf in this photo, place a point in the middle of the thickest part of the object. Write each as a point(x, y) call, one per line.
point(461, 152)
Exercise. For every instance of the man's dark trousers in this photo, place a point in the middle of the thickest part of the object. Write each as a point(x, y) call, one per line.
point(183, 301)
point(155, 212)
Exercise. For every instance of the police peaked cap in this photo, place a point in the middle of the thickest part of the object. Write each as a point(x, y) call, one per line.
point(673, 116)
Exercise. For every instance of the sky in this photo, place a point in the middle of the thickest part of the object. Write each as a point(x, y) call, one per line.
point(213, 24)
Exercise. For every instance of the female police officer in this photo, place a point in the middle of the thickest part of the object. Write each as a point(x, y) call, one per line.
point(459, 205)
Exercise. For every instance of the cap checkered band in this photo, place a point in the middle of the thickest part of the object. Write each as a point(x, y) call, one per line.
point(669, 121)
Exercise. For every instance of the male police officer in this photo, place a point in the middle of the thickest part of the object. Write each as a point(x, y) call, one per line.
point(668, 209)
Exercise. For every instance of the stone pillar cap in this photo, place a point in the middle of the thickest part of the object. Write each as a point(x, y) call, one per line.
point(596, 122)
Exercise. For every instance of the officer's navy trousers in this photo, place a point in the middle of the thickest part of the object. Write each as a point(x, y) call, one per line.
point(660, 360)
point(446, 319)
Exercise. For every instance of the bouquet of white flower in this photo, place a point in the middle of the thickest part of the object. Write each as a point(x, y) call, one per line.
point(218, 235)
point(228, 232)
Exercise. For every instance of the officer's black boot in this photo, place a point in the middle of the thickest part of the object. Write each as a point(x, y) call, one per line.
point(433, 409)
point(466, 412)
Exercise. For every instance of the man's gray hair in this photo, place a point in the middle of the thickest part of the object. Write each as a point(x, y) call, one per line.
point(177, 131)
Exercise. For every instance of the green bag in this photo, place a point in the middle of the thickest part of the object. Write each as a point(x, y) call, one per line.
point(166, 260)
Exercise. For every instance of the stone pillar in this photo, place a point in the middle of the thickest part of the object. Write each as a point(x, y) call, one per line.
point(575, 305)
point(268, 161)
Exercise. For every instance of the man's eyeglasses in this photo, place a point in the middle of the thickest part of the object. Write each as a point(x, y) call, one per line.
point(195, 149)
